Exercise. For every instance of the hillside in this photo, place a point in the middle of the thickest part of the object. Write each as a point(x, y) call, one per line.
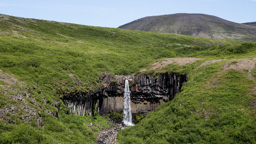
point(251, 23)
point(217, 105)
point(40, 60)
point(198, 25)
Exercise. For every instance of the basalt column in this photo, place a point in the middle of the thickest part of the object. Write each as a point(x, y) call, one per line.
point(147, 92)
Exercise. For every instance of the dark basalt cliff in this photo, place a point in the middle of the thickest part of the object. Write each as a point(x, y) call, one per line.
point(147, 92)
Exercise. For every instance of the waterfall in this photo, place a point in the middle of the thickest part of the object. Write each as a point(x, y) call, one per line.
point(127, 119)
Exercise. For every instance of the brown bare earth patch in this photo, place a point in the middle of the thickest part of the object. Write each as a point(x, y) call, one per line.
point(10, 79)
point(166, 62)
point(242, 65)
point(211, 62)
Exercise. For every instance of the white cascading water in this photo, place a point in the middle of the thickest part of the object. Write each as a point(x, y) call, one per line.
point(127, 119)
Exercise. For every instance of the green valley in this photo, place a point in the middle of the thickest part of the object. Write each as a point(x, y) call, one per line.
point(40, 60)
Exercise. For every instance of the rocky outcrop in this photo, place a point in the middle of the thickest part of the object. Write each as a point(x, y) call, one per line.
point(148, 91)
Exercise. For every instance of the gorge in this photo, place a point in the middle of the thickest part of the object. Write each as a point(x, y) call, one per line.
point(147, 92)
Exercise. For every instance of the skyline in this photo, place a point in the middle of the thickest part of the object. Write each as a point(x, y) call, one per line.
point(114, 13)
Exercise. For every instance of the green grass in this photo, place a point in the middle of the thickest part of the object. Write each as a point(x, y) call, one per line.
point(97, 123)
point(52, 51)
point(214, 107)
point(56, 57)
point(66, 129)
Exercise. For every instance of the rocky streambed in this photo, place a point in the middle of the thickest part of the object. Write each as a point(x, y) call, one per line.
point(109, 136)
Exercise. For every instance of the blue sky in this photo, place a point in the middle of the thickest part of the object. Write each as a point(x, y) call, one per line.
point(113, 13)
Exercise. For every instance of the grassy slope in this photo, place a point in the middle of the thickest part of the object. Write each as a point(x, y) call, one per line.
point(214, 107)
point(45, 54)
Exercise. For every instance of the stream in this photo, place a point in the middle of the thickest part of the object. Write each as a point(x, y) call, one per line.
point(109, 136)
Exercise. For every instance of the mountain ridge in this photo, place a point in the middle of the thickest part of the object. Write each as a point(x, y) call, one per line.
point(250, 23)
point(200, 25)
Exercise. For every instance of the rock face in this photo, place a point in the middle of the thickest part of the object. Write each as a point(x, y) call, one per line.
point(147, 92)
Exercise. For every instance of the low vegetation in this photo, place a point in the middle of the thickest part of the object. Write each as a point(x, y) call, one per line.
point(213, 107)
point(66, 129)
point(48, 57)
